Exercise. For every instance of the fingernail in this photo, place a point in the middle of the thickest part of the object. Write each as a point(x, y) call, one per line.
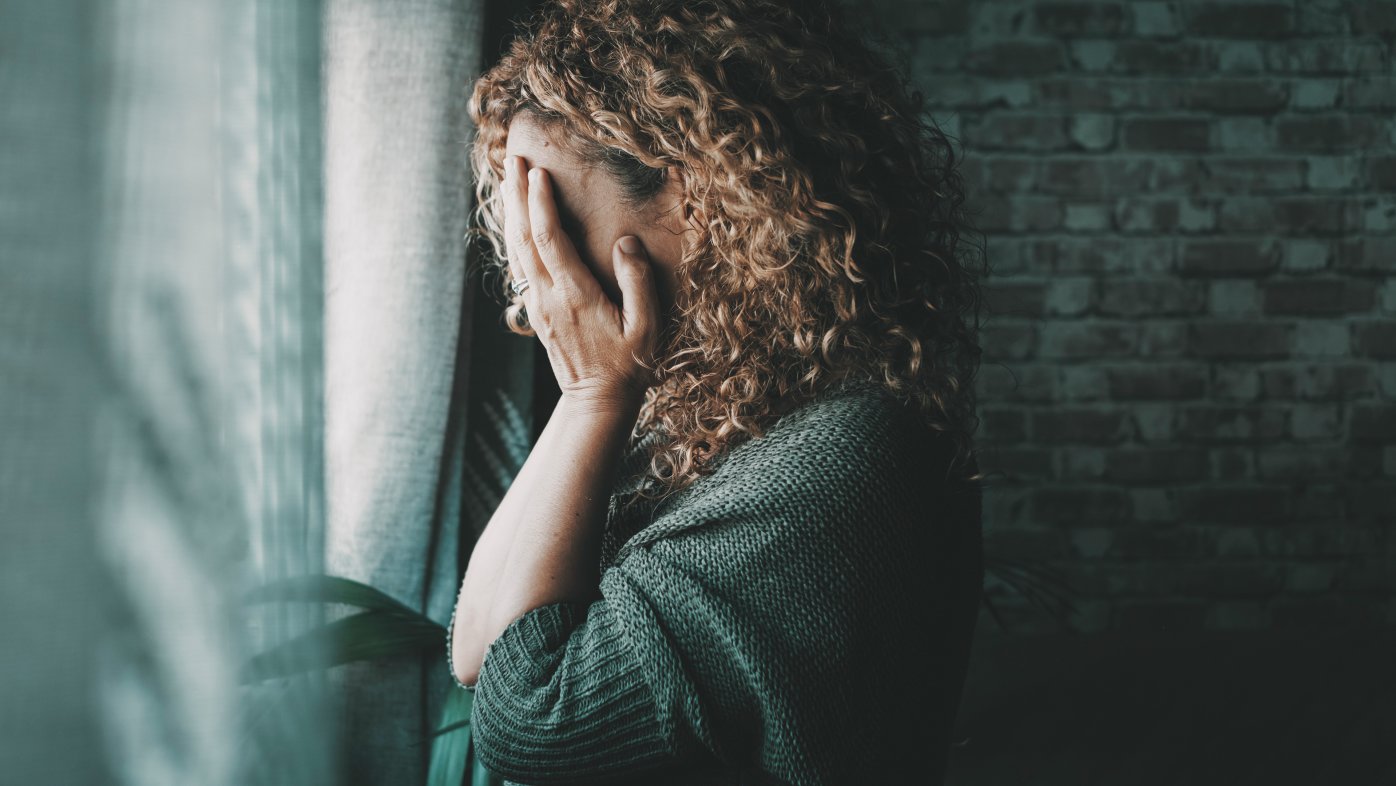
point(630, 245)
point(533, 175)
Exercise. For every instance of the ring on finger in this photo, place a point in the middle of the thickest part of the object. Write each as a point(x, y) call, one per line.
point(519, 285)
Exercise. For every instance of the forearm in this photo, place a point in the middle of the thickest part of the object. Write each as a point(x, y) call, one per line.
point(543, 547)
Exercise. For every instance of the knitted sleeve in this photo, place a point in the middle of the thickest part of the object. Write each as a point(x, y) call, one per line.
point(778, 619)
point(568, 691)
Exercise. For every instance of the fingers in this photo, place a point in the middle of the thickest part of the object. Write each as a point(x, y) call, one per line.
point(635, 276)
point(554, 247)
point(523, 262)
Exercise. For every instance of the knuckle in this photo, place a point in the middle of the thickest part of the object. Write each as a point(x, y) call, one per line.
point(543, 237)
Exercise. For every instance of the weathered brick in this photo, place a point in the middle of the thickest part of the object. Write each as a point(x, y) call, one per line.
point(1070, 296)
point(1373, 92)
point(1224, 423)
point(1250, 505)
point(1015, 57)
point(1082, 383)
point(1235, 382)
point(1003, 425)
point(1092, 426)
point(1318, 381)
point(944, 17)
point(1190, 212)
point(1079, 464)
point(1001, 174)
point(1158, 57)
point(1247, 339)
point(1316, 215)
point(1156, 381)
point(1151, 297)
point(1088, 339)
point(995, 212)
point(1237, 57)
point(1306, 255)
point(1156, 465)
point(1231, 464)
point(1372, 17)
point(1311, 93)
point(1381, 171)
point(1079, 19)
point(1373, 423)
point(1024, 382)
point(1162, 543)
point(1233, 297)
point(1008, 341)
point(1251, 174)
point(1018, 464)
point(1336, 56)
point(1016, 131)
point(1331, 133)
point(1166, 133)
point(1155, 19)
point(1081, 506)
point(1239, 20)
point(1231, 96)
point(1229, 257)
point(1315, 422)
point(1301, 464)
point(1317, 297)
point(1085, 217)
point(1332, 173)
point(1168, 214)
point(1014, 298)
point(1376, 338)
point(1162, 338)
point(1367, 255)
point(1378, 214)
point(1141, 256)
point(1321, 338)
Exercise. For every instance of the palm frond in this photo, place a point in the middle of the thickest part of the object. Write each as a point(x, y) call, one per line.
point(368, 635)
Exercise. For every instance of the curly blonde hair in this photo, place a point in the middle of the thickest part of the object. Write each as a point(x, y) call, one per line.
point(829, 213)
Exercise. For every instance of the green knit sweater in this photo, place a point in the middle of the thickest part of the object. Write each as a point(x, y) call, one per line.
point(801, 616)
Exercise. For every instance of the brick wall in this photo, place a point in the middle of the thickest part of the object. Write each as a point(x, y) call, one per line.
point(1190, 355)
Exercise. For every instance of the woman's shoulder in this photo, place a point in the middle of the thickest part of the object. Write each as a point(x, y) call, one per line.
point(854, 455)
point(839, 436)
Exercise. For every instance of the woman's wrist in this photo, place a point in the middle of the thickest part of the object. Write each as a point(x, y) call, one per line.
point(619, 408)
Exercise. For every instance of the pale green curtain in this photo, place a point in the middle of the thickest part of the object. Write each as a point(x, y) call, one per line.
point(243, 341)
point(160, 235)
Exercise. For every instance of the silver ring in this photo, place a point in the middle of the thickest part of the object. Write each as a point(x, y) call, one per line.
point(519, 286)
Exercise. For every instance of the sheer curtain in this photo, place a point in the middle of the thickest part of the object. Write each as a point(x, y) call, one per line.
point(240, 344)
point(397, 78)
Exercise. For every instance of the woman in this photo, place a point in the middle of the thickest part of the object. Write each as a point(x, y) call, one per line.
point(745, 548)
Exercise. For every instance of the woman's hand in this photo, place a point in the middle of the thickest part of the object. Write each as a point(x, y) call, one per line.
point(600, 351)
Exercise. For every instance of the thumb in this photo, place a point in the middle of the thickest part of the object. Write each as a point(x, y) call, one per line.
point(635, 277)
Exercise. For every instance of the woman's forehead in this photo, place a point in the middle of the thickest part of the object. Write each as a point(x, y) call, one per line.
point(577, 186)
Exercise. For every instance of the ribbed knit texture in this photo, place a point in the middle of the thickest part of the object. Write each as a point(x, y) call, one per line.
point(801, 616)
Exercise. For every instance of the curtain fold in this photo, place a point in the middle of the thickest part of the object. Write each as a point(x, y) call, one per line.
point(160, 229)
point(397, 81)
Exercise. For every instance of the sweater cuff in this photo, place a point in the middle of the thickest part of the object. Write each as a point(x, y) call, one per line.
point(561, 696)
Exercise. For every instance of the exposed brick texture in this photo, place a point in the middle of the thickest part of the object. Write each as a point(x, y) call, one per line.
point(1189, 381)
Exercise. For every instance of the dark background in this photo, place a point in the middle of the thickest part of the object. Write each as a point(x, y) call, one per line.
point(1189, 212)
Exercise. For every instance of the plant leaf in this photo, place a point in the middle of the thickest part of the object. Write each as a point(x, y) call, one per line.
point(450, 752)
point(328, 589)
point(368, 635)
